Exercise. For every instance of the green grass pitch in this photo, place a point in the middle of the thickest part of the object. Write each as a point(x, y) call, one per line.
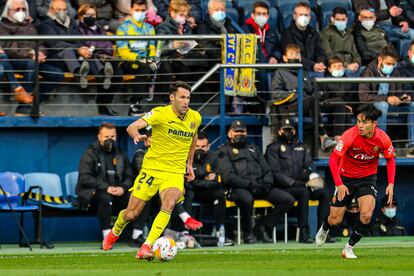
point(376, 256)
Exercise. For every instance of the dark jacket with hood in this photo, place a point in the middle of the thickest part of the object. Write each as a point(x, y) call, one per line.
point(289, 162)
point(93, 176)
point(368, 92)
point(309, 43)
point(270, 44)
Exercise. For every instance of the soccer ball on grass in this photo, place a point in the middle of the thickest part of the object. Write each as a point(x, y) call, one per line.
point(164, 249)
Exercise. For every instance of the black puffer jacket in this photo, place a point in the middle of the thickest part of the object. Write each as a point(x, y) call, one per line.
point(309, 43)
point(92, 173)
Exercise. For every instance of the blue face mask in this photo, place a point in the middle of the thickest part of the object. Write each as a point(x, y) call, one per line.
point(387, 69)
point(219, 16)
point(390, 212)
point(337, 73)
point(340, 25)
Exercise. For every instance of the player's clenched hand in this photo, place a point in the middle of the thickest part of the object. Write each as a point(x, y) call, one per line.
point(139, 138)
point(390, 192)
point(190, 174)
point(342, 192)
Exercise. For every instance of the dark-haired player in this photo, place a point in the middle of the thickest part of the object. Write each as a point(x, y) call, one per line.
point(167, 162)
point(354, 165)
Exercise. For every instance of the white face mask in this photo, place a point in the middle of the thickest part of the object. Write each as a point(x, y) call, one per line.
point(19, 16)
point(302, 21)
point(180, 19)
point(139, 16)
point(368, 24)
point(260, 20)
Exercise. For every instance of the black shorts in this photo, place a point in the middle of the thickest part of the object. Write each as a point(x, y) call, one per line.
point(357, 187)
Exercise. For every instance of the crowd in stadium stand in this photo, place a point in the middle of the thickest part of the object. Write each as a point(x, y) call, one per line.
point(353, 32)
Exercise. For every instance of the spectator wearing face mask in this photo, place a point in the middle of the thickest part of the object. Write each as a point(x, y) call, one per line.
point(307, 38)
point(292, 167)
point(258, 24)
point(285, 94)
point(338, 99)
point(337, 40)
point(246, 176)
point(388, 224)
point(43, 6)
point(388, 97)
point(369, 38)
point(105, 176)
point(105, 67)
point(138, 57)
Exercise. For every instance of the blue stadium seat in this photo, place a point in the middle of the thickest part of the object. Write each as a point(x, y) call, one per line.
point(233, 14)
point(71, 179)
point(51, 186)
point(329, 5)
point(13, 185)
point(326, 17)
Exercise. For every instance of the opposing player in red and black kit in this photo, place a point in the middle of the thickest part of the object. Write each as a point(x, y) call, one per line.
point(354, 165)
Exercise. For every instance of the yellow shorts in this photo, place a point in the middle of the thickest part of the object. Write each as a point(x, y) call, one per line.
point(149, 182)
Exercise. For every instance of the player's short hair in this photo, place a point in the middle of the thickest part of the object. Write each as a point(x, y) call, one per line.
point(335, 59)
point(106, 125)
point(139, 3)
point(302, 5)
point(292, 47)
point(339, 10)
point(388, 51)
point(202, 135)
point(260, 4)
point(370, 112)
point(179, 84)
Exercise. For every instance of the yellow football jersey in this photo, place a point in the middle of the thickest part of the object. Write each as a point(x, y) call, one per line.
point(171, 139)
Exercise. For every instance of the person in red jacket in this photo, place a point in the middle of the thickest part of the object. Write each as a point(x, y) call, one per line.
point(354, 165)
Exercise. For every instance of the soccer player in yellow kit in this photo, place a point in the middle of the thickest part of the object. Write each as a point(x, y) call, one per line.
point(168, 161)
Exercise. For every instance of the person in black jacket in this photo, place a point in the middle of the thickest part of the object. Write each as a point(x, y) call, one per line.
point(246, 176)
point(307, 38)
point(388, 224)
point(292, 165)
point(206, 188)
point(105, 176)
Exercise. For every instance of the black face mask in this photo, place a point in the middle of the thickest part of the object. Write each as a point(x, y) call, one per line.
point(108, 145)
point(200, 155)
point(89, 21)
point(293, 60)
point(288, 135)
point(239, 141)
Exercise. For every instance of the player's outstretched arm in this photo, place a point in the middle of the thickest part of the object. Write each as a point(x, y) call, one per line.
point(391, 166)
point(133, 130)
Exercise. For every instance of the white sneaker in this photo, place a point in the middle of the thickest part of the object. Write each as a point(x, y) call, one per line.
point(320, 238)
point(347, 252)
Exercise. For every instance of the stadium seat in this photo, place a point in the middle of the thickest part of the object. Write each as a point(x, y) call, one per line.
point(329, 5)
point(233, 14)
point(13, 185)
point(71, 179)
point(51, 187)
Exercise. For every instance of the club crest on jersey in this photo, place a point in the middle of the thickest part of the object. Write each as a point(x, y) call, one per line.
point(339, 146)
point(192, 125)
point(375, 149)
point(147, 115)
